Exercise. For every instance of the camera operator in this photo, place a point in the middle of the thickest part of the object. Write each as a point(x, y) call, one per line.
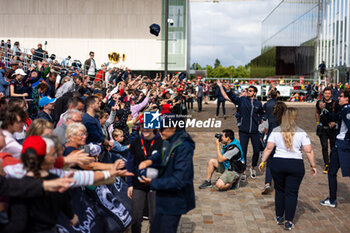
point(326, 117)
point(230, 161)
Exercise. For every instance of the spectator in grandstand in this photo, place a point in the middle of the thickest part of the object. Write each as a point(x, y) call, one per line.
point(287, 166)
point(100, 76)
point(13, 120)
point(16, 51)
point(3, 80)
point(75, 137)
point(40, 127)
point(72, 116)
point(118, 138)
point(106, 120)
point(67, 101)
point(39, 53)
point(16, 85)
point(90, 120)
point(51, 81)
point(39, 214)
point(47, 106)
point(38, 93)
point(121, 118)
point(90, 66)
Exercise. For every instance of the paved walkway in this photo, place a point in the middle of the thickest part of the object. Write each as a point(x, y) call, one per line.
point(246, 210)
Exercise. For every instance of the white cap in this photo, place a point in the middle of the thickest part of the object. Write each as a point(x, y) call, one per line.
point(20, 71)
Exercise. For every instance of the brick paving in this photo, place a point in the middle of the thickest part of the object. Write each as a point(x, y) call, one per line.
point(245, 209)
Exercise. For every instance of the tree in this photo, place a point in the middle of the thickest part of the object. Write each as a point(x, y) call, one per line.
point(196, 66)
point(217, 63)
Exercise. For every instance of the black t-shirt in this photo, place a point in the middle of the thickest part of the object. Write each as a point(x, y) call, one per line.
point(332, 107)
point(136, 150)
point(18, 86)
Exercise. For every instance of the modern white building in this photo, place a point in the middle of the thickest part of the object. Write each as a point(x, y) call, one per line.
point(76, 27)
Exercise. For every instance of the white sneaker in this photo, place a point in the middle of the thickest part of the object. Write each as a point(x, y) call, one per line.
point(252, 173)
point(328, 203)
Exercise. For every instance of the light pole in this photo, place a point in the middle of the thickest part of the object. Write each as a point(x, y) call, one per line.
point(166, 38)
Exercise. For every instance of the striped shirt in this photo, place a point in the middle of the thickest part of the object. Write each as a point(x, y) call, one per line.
point(82, 178)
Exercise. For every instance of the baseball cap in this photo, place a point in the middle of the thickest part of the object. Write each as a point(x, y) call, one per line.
point(46, 100)
point(35, 142)
point(154, 29)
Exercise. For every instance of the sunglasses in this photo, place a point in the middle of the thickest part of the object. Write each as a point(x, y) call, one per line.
point(250, 90)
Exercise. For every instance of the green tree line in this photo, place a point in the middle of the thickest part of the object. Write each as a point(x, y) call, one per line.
point(219, 71)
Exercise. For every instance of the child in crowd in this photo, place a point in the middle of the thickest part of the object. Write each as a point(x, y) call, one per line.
point(118, 137)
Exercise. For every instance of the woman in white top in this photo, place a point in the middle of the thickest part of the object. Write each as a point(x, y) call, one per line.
point(287, 166)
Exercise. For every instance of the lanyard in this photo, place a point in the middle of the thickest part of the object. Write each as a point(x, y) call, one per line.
point(144, 148)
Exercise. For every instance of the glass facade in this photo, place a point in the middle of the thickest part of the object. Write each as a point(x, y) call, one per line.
point(333, 46)
point(177, 45)
point(323, 24)
point(291, 23)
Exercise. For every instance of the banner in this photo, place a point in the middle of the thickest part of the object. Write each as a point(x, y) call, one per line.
point(105, 209)
point(285, 91)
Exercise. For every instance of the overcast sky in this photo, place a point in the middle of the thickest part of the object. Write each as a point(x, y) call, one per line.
point(229, 31)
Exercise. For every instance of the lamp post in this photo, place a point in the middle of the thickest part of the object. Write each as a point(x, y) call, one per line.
point(166, 38)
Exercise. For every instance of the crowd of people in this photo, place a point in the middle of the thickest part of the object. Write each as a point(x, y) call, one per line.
point(65, 126)
point(58, 117)
point(272, 128)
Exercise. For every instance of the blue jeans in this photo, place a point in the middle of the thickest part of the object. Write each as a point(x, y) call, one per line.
point(218, 107)
point(287, 175)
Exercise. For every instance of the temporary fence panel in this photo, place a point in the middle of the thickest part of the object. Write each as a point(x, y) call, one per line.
point(285, 91)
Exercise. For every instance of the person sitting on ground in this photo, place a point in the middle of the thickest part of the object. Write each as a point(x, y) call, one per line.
point(230, 162)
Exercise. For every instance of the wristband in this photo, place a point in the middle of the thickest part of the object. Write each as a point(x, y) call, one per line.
point(107, 174)
point(318, 122)
point(313, 166)
point(218, 148)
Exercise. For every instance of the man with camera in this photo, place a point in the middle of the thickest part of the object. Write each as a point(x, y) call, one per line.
point(327, 111)
point(230, 161)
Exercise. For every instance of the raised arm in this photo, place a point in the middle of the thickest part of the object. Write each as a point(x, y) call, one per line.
point(223, 92)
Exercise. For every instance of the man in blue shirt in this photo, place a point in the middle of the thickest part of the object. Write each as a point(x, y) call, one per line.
point(340, 156)
point(47, 105)
point(251, 112)
point(93, 126)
